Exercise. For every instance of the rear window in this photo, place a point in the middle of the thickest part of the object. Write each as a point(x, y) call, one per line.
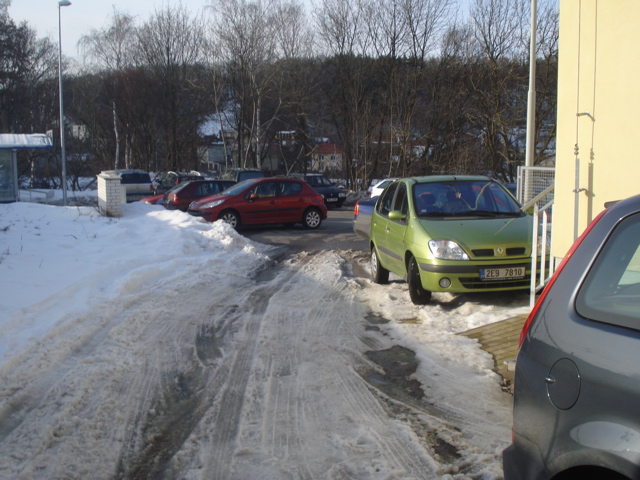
point(610, 292)
point(136, 177)
point(247, 175)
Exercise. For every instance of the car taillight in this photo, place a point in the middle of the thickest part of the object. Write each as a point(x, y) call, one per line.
point(566, 258)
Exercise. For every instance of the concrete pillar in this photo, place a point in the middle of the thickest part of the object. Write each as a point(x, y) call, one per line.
point(111, 194)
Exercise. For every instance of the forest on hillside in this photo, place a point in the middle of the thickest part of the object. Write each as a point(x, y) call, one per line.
point(402, 87)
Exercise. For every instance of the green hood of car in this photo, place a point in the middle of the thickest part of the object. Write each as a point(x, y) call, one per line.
point(473, 233)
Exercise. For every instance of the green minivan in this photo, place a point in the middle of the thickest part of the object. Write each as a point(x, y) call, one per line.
point(450, 234)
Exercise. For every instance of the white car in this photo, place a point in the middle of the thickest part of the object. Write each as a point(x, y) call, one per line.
point(376, 189)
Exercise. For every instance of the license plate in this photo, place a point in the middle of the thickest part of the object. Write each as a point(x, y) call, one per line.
point(332, 199)
point(504, 273)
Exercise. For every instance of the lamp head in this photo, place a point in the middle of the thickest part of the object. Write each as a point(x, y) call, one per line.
point(64, 3)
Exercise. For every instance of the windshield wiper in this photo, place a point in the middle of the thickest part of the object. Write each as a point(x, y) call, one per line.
point(491, 213)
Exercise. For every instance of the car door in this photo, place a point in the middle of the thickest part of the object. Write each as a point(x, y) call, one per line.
point(396, 229)
point(379, 225)
point(261, 204)
point(290, 202)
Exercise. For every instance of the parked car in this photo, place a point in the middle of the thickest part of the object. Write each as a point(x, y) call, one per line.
point(576, 412)
point(450, 234)
point(182, 195)
point(153, 199)
point(333, 196)
point(165, 181)
point(241, 174)
point(264, 201)
point(137, 183)
point(376, 189)
point(362, 212)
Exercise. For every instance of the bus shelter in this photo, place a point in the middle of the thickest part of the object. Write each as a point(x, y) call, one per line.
point(10, 143)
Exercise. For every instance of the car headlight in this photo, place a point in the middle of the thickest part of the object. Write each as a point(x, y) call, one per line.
point(447, 250)
point(213, 204)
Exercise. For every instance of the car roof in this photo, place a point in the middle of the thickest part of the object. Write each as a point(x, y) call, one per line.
point(447, 178)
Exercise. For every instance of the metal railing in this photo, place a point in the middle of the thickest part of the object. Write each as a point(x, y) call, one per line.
point(541, 268)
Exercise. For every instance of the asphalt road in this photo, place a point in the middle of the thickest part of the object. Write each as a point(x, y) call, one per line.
point(335, 233)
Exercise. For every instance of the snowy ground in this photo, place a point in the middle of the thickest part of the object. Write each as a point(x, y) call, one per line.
point(159, 346)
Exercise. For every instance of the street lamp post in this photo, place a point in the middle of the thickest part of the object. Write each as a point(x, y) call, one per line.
point(62, 3)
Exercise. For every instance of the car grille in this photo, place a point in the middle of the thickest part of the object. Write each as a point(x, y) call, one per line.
point(489, 252)
point(474, 283)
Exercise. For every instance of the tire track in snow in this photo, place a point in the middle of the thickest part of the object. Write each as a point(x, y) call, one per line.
point(86, 394)
point(289, 427)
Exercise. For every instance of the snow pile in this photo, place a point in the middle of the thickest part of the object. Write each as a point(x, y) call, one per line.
point(60, 262)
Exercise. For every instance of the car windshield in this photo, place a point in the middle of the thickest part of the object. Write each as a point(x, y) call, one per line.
point(238, 188)
point(464, 197)
point(318, 181)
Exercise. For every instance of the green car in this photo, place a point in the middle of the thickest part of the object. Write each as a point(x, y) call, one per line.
point(450, 234)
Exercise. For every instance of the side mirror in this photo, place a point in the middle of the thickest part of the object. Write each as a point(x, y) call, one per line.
point(397, 215)
point(253, 196)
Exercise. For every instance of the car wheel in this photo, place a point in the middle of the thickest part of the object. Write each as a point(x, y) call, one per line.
point(312, 218)
point(419, 296)
point(231, 217)
point(379, 274)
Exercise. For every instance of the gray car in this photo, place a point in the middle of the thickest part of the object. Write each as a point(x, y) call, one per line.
point(577, 384)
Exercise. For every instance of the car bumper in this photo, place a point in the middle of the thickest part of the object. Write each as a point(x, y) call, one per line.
point(208, 216)
point(334, 202)
point(465, 276)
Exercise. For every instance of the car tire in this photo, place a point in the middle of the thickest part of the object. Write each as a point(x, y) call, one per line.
point(379, 274)
point(312, 218)
point(419, 296)
point(230, 217)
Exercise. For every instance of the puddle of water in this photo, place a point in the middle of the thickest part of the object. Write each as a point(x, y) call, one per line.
point(399, 363)
point(376, 319)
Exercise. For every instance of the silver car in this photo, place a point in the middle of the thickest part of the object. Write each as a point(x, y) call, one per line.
point(577, 384)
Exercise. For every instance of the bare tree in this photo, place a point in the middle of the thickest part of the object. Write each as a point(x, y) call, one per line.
point(498, 76)
point(4, 8)
point(293, 33)
point(246, 35)
point(546, 80)
point(404, 33)
point(170, 45)
point(342, 24)
point(112, 49)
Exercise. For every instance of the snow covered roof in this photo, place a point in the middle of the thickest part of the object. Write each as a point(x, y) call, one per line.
point(34, 140)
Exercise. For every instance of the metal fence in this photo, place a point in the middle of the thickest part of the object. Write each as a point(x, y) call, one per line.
point(532, 181)
point(536, 187)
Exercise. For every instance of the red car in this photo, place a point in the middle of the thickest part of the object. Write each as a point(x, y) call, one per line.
point(184, 194)
point(260, 201)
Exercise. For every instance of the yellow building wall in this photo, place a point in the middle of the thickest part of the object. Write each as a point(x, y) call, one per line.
point(599, 74)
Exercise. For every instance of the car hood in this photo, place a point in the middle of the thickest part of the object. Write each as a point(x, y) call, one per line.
point(480, 232)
